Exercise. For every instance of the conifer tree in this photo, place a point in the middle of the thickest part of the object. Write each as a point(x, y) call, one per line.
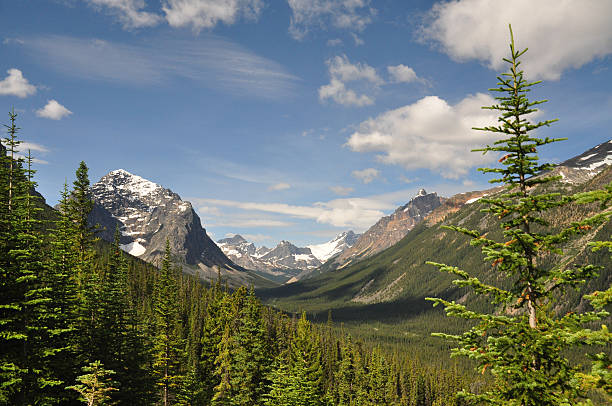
point(96, 385)
point(60, 278)
point(252, 358)
point(80, 205)
point(212, 332)
point(168, 346)
point(524, 343)
point(26, 315)
point(297, 380)
point(380, 386)
point(345, 392)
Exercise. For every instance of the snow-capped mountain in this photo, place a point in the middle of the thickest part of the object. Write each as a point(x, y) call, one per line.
point(147, 214)
point(582, 167)
point(342, 241)
point(287, 256)
point(285, 261)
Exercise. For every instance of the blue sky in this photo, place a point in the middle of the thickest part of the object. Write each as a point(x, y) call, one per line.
point(292, 119)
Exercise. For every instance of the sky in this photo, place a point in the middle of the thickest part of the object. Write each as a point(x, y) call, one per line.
point(299, 119)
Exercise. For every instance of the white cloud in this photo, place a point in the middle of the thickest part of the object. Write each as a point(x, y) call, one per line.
point(129, 12)
point(257, 237)
point(337, 91)
point(201, 14)
point(341, 190)
point(402, 74)
point(342, 71)
point(350, 15)
point(53, 110)
point(340, 68)
point(210, 62)
point(357, 39)
point(248, 223)
point(279, 186)
point(16, 85)
point(334, 42)
point(366, 175)
point(356, 213)
point(25, 146)
point(209, 211)
point(560, 34)
point(429, 134)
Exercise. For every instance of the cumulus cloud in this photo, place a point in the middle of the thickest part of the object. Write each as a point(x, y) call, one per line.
point(366, 175)
point(53, 110)
point(560, 34)
point(429, 133)
point(342, 71)
point(334, 42)
point(350, 15)
point(201, 14)
point(16, 85)
point(402, 74)
point(279, 186)
point(341, 190)
point(129, 12)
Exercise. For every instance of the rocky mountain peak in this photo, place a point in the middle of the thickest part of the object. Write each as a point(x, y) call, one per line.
point(592, 159)
point(236, 239)
point(147, 214)
point(390, 229)
point(585, 166)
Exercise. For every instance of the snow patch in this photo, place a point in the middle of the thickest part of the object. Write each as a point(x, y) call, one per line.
point(303, 257)
point(606, 161)
point(587, 157)
point(475, 199)
point(133, 248)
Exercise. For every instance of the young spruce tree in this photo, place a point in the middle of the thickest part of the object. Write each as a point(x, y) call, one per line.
point(524, 344)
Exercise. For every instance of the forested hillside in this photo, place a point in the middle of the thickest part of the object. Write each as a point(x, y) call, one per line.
point(83, 322)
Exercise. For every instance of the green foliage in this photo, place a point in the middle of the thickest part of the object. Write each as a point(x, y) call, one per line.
point(524, 343)
point(96, 385)
point(26, 304)
point(168, 344)
point(298, 376)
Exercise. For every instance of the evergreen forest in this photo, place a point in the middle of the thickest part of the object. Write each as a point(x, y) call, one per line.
point(81, 322)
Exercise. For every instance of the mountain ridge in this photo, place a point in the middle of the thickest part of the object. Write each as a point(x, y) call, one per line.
point(148, 214)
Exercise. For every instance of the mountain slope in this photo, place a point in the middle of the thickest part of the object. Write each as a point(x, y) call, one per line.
point(394, 282)
point(148, 214)
point(389, 229)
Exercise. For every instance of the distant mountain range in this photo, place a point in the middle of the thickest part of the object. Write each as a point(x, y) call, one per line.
point(285, 262)
point(392, 284)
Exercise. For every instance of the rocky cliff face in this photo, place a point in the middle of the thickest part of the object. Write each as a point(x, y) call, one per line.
point(147, 214)
point(390, 229)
